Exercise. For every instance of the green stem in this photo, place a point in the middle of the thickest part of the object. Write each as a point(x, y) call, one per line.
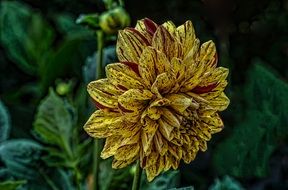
point(100, 45)
point(137, 176)
point(97, 143)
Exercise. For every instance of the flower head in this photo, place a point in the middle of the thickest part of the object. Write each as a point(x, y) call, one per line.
point(160, 103)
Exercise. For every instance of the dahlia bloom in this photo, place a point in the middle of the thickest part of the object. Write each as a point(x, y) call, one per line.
point(160, 103)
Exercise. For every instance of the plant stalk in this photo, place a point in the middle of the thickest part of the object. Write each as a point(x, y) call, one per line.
point(137, 177)
point(97, 142)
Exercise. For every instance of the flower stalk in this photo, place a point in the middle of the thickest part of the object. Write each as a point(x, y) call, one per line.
point(137, 177)
point(97, 143)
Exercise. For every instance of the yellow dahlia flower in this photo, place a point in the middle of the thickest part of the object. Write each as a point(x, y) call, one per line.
point(160, 103)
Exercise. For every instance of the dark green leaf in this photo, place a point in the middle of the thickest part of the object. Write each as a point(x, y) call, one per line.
point(4, 123)
point(21, 157)
point(260, 130)
point(227, 183)
point(164, 181)
point(54, 121)
point(25, 35)
point(111, 179)
point(11, 185)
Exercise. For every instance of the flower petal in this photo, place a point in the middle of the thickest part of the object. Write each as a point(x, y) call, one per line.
point(117, 164)
point(130, 45)
point(151, 64)
point(133, 101)
point(198, 69)
point(165, 129)
point(179, 102)
point(123, 77)
point(170, 27)
point(104, 93)
point(166, 43)
point(160, 143)
point(162, 84)
point(147, 28)
point(186, 35)
point(219, 103)
point(214, 76)
point(112, 143)
point(207, 55)
point(147, 136)
point(127, 152)
point(170, 117)
point(100, 123)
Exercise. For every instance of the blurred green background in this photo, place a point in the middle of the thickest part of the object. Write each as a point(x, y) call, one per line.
point(46, 60)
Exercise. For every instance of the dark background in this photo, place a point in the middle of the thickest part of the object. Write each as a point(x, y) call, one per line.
point(42, 47)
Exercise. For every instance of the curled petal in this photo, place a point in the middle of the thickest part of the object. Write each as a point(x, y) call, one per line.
point(147, 28)
point(170, 117)
point(133, 101)
point(100, 123)
point(179, 102)
point(123, 77)
point(130, 45)
point(165, 129)
point(162, 84)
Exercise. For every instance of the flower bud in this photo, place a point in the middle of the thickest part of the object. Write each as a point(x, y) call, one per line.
point(114, 20)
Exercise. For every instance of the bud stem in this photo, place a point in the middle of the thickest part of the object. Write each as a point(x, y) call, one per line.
point(97, 142)
point(137, 177)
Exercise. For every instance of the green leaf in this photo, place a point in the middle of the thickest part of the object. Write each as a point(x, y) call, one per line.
point(227, 183)
point(183, 188)
point(21, 157)
point(4, 123)
point(54, 121)
point(25, 35)
point(11, 185)
point(111, 179)
point(164, 181)
point(261, 128)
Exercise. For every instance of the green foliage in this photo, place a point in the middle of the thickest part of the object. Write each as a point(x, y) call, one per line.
point(25, 35)
point(21, 157)
point(111, 179)
point(11, 185)
point(164, 181)
point(183, 188)
point(227, 183)
point(55, 120)
point(260, 130)
point(54, 125)
point(4, 123)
